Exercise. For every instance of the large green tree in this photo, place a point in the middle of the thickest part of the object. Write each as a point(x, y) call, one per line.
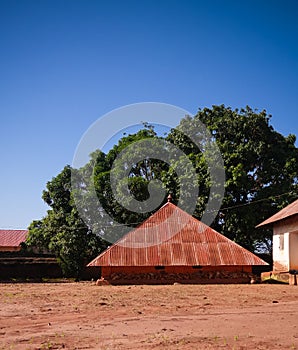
point(260, 164)
point(261, 170)
point(261, 167)
point(62, 231)
point(112, 213)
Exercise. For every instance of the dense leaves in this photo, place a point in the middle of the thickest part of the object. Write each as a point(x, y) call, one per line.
point(260, 165)
point(62, 231)
point(261, 168)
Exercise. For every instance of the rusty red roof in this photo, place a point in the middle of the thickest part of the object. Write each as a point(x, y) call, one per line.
point(12, 238)
point(172, 237)
point(290, 210)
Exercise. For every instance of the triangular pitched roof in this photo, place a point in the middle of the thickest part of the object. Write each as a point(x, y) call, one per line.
point(171, 237)
point(289, 210)
point(12, 238)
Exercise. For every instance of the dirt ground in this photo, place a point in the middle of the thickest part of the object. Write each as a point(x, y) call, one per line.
point(86, 316)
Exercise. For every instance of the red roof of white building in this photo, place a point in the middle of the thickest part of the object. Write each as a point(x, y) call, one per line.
point(173, 237)
point(12, 238)
point(290, 210)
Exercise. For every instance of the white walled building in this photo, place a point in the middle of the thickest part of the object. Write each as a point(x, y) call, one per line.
point(285, 238)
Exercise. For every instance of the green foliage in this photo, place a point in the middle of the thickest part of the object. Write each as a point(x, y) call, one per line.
point(261, 169)
point(124, 205)
point(62, 231)
point(260, 165)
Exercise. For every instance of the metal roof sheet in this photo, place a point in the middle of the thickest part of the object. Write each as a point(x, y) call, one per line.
point(171, 237)
point(12, 238)
point(289, 210)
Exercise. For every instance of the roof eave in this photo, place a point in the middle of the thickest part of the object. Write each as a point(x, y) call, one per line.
point(271, 221)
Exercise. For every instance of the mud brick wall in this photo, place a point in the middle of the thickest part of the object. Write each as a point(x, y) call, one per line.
point(37, 268)
point(25, 267)
point(172, 274)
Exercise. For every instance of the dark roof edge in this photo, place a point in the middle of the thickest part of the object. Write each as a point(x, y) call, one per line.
point(270, 222)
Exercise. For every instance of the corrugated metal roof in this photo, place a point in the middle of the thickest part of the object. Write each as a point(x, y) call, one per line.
point(290, 210)
point(12, 238)
point(172, 237)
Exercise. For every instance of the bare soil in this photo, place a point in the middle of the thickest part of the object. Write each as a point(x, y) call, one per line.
point(86, 316)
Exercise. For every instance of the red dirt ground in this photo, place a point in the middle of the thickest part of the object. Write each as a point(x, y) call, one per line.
point(86, 316)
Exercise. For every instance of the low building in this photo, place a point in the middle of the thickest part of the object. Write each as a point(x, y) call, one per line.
point(10, 240)
point(285, 242)
point(172, 246)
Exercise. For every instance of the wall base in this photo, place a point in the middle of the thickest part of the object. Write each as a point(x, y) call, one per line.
point(280, 277)
point(210, 277)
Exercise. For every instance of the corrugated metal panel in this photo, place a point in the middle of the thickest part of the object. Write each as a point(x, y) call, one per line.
point(171, 237)
point(12, 238)
point(290, 210)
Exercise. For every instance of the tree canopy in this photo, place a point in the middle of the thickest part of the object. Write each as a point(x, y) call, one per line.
point(62, 231)
point(261, 167)
point(261, 176)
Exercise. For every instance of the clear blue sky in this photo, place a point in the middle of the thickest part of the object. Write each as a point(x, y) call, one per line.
point(63, 64)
